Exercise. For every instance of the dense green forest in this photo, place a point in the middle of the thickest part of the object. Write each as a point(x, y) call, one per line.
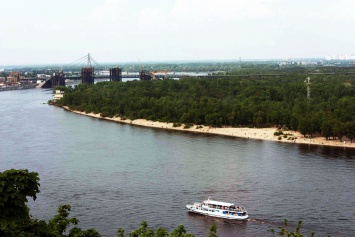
point(16, 221)
point(229, 101)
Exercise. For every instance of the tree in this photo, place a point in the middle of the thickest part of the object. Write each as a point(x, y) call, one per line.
point(339, 129)
point(180, 232)
point(304, 126)
point(77, 232)
point(142, 231)
point(15, 186)
point(213, 231)
point(60, 222)
point(161, 232)
point(120, 232)
point(327, 129)
point(214, 119)
point(259, 118)
point(15, 220)
point(284, 231)
point(349, 128)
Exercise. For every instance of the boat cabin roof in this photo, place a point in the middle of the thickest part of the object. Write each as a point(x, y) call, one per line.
point(226, 204)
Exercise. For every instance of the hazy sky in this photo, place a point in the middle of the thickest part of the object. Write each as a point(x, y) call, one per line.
point(62, 31)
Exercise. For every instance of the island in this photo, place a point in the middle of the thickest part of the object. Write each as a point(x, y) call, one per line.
point(282, 108)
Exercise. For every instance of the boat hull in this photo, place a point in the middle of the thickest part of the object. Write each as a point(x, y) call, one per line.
point(217, 213)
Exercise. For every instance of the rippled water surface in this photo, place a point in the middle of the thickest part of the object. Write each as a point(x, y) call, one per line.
point(116, 175)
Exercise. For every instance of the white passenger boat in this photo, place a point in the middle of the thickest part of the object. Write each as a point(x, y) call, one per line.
point(218, 209)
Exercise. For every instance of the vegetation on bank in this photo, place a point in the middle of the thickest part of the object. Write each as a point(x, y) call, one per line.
point(15, 218)
point(233, 101)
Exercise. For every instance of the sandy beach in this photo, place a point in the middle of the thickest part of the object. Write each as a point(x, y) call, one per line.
point(243, 132)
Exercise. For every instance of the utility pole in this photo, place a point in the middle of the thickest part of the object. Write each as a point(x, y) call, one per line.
point(308, 82)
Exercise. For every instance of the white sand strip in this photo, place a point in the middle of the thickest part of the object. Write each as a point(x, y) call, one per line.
point(252, 133)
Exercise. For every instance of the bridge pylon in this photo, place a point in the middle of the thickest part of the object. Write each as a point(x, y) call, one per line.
point(87, 75)
point(115, 74)
point(56, 80)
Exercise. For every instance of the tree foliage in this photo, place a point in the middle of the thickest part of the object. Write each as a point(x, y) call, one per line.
point(259, 102)
point(285, 232)
point(60, 222)
point(15, 187)
point(213, 231)
point(15, 219)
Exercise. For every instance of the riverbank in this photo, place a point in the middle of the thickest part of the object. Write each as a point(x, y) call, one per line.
point(18, 87)
point(243, 132)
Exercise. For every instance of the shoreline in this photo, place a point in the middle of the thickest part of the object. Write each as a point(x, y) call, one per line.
point(19, 87)
point(266, 134)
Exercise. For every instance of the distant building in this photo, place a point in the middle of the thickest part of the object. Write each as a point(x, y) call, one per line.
point(43, 76)
point(58, 95)
point(340, 57)
point(13, 78)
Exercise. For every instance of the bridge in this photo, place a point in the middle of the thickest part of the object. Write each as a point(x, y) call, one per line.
point(157, 75)
point(88, 74)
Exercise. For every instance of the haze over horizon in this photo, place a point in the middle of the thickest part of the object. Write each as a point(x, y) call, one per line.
point(57, 32)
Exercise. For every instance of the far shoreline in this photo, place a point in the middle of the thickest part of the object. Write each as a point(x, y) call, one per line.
point(266, 134)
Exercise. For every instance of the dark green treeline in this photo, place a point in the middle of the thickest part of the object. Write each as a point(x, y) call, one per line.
point(259, 102)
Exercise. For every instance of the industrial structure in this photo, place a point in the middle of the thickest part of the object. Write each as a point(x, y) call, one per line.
point(308, 82)
point(145, 75)
point(115, 74)
point(56, 80)
point(87, 75)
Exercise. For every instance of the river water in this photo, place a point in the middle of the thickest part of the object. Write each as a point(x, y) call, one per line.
point(117, 175)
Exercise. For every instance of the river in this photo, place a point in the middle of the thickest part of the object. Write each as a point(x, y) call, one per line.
point(116, 175)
